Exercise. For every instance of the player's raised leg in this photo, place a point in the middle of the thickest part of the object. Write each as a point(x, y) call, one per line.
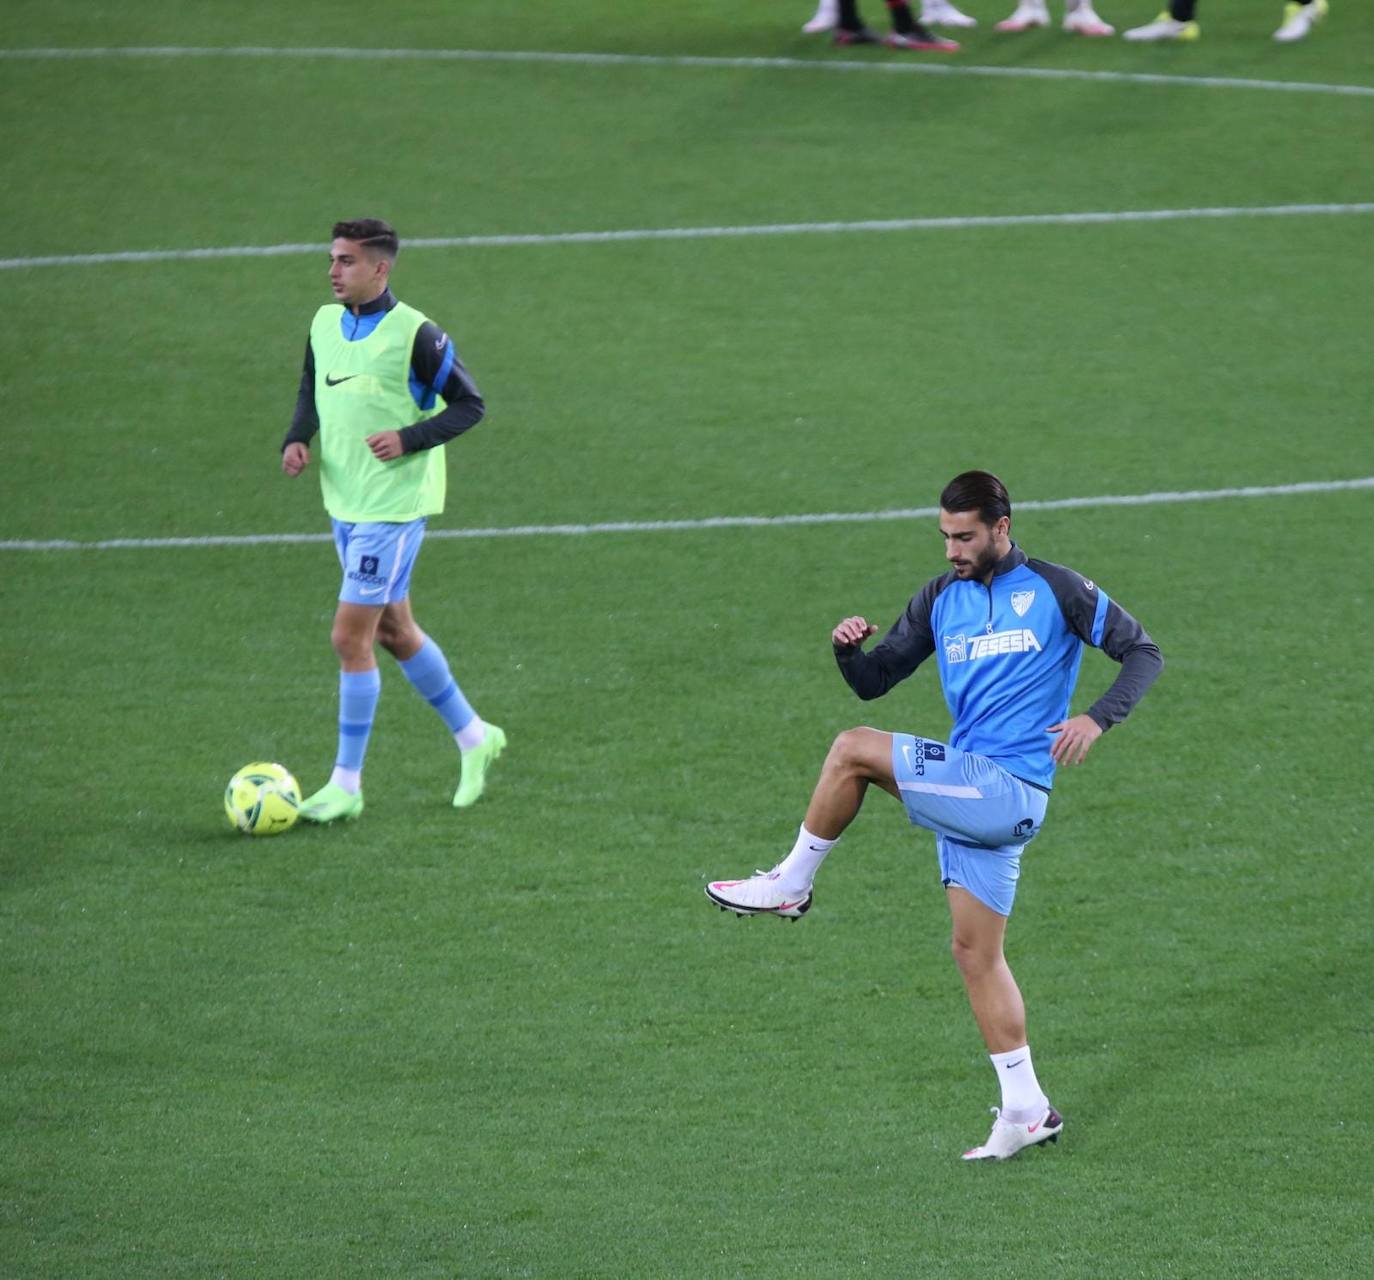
point(1025, 1117)
point(856, 758)
point(355, 627)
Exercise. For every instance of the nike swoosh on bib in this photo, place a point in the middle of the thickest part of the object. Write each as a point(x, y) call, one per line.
point(334, 382)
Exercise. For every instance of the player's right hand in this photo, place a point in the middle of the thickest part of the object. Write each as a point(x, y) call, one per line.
point(852, 631)
point(295, 458)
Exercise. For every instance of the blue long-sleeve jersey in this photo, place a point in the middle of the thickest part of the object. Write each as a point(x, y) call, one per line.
point(1009, 653)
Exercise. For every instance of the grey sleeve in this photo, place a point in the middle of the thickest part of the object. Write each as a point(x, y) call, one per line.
point(1122, 639)
point(907, 644)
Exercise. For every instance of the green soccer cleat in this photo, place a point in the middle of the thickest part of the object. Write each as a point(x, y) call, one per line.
point(330, 803)
point(476, 762)
point(1164, 27)
point(1299, 19)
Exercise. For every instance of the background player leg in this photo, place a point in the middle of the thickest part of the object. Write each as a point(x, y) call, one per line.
point(355, 628)
point(423, 663)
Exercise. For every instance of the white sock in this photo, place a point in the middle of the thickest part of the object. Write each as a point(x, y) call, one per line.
point(472, 734)
point(798, 869)
point(351, 780)
point(1022, 1098)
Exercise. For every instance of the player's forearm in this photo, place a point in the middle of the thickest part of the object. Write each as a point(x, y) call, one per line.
point(457, 417)
point(305, 421)
point(863, 672)
point(1139, 670)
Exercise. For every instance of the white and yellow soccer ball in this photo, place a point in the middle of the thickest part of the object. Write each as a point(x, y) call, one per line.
point(262, 799)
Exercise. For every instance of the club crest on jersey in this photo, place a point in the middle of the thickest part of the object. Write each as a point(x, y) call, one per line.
point(1021, 601)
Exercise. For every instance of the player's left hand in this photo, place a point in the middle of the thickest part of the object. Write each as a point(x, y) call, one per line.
point(385, 445)
point(1076, 735)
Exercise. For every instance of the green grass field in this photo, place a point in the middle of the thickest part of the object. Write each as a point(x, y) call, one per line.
point(518, 1041)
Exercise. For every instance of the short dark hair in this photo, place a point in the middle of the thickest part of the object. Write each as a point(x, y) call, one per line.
point(375, 234)
point(979, 491)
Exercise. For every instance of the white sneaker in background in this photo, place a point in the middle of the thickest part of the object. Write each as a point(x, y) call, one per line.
point(940, 13)
point(827, 14)
point(1083, 20)
point(1299, 19)
point(1164, 28)
point(1029, 13)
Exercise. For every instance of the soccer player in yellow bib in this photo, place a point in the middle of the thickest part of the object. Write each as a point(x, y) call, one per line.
point(385, 390)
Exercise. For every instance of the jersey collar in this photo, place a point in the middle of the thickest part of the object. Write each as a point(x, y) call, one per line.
point(1014, 559)
point(384, 301)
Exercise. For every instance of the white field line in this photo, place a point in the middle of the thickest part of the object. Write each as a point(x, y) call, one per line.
point(887, 67)
point(708, 522)
point(954, 223)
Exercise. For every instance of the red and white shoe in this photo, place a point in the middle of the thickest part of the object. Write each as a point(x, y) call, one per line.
point(761, 894)
point(1084, 21)
point(1007, 1138)
point(1029, 13)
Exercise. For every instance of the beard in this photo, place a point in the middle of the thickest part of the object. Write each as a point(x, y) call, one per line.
point(986, 562)
point(982, 565)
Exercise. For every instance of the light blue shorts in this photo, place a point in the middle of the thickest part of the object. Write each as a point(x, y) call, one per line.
point(982, 816)
point(377, 559)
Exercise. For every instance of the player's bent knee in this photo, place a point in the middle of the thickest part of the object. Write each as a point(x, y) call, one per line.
point(863, 751)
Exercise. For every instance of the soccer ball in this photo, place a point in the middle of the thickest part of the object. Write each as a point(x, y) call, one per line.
point(262, 799)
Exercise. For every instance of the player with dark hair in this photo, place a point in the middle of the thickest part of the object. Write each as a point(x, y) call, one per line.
point(1008, 633)
point(385, 390)
point(1178, 22)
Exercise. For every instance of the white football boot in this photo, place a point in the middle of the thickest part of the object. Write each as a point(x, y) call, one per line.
point(827, 14)
point(1007, 1138)
point(940, 13)
point(1299, 19)
point(761, 894)
point(1082, 20)
point(1029, 13)
point(1164, 28)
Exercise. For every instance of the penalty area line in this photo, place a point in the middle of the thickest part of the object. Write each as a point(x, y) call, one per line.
point(1163, 498)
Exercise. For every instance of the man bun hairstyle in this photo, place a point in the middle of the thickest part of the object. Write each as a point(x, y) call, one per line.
point(372, 233)
point(979, 491)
